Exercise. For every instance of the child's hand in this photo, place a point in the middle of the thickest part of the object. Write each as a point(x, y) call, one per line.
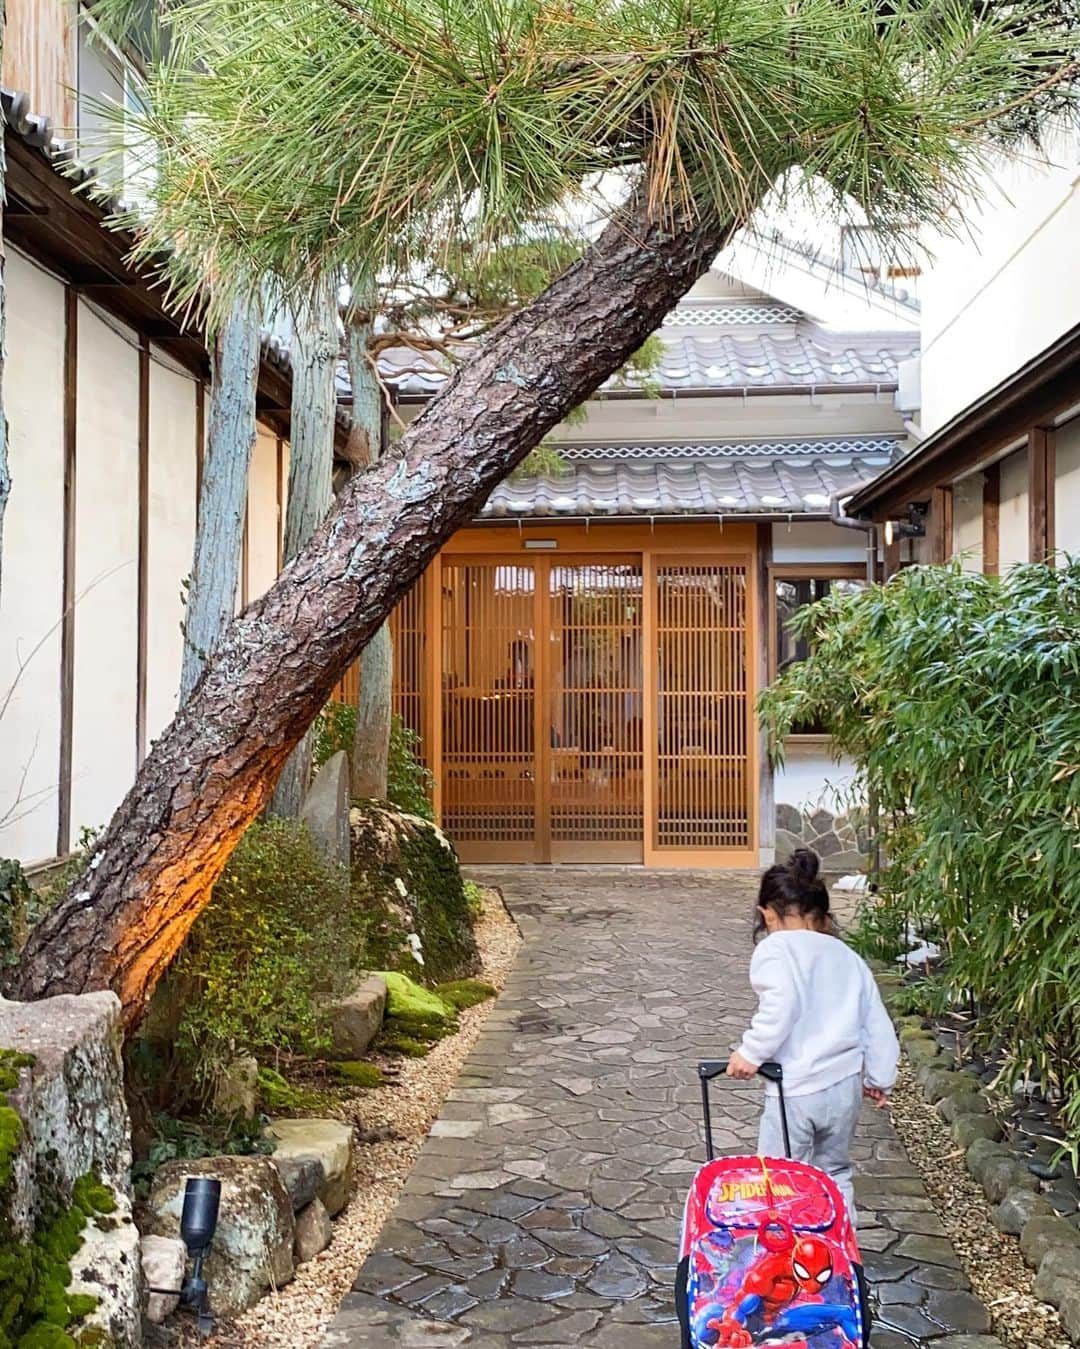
point(880, 1098)
point(740, 1068)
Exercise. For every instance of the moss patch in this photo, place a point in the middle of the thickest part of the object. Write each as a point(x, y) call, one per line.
point(463, 993)
point(357, 1073)
point(406, 998)
point(279, 1094)
point(393, 1043)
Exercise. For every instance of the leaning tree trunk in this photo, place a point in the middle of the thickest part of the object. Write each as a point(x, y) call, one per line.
point(371, 742)
point(311, 476)
point(211, 600)
point(211, 772)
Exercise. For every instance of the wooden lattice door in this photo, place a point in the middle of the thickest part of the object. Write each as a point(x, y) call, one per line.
point(489, 622)
point(701, 785)
point(592, 782)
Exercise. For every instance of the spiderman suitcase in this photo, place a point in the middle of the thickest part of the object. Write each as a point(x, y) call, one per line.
point(768, 1252)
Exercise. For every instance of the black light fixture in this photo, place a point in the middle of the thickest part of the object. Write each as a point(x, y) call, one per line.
point(198, 1223)
point(914, 527)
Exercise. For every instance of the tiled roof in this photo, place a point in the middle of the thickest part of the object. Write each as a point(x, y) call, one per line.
point(801, 356)
point(781, 478)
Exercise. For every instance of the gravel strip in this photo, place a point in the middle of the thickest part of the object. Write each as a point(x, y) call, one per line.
point(296, 1317)
point(991, 1260)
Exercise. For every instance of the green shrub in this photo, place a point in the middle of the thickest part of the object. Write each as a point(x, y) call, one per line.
point(16, 901)
point(265, 953)
point(463, 993)
point(408, 783)
point(334, 729)
point(474, 898)
point(187, 1140)
point(956, 694)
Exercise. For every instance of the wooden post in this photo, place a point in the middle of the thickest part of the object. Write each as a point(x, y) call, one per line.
point(941, 524)
point(991, 521)
point(762, 647)
point(891, 556)
point(1041, 492)
point(143, 601)
point(67, 620)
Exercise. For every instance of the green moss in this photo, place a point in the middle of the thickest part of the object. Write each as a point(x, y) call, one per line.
point(357, 1073)
point(406, 999)
point(463, 993)
point(393, 1043)
point(37, 1310)
point(279, 1094)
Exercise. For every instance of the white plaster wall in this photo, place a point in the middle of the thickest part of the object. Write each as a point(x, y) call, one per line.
point(967, 539)
point(262, 514)
point(1067, 494)
point(171, 529)
point(817, 541)
point(811, 779)
point(31, 598)
point(1013, 526)
point(1006, 288)
point(106, 570)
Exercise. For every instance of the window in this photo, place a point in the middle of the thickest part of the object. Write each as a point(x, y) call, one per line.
point(109, 97)
point(791, 589)
point(864, 250)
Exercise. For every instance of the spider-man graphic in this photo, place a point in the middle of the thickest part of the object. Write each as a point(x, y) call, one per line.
point(780, 1299)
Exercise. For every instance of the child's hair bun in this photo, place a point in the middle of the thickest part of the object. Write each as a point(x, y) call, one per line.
point(805, 865)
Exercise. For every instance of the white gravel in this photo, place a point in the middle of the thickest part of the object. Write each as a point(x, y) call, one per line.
point(296, 1317)
point(991, 1260)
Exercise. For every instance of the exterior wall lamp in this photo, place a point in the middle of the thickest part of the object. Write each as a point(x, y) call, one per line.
point(914, 527)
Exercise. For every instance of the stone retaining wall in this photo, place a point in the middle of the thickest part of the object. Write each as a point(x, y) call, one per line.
point(841, 841)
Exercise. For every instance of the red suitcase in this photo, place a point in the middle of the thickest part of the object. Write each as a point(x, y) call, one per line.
point(768, 1253)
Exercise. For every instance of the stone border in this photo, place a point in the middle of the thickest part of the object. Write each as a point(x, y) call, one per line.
point(1049, 1244)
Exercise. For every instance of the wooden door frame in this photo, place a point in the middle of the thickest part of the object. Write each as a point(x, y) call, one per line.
point(733, 543)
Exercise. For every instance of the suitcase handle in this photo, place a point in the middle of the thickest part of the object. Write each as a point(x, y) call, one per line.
point(707, 1069)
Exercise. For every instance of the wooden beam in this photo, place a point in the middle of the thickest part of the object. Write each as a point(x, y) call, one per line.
point(67, 620)
point(143, 619)
point(1041, 493)
point(941, 524)
point(991, 520)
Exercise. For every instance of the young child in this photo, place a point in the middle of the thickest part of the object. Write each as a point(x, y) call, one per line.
point(820, 1017)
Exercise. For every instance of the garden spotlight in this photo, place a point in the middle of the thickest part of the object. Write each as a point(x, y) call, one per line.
point(198, 1222)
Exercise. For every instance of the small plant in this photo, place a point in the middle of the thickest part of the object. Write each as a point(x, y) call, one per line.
point(408, 783)
point(16, 902)
point(265, 955)
point(334, 730)
point(393, 1043)
point(187, 1140)
point(474, 898)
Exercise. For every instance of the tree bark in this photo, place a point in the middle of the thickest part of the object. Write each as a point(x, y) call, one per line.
point(5, 471)
point(311, 477)
point(374, 703)
point(211, 601)
point(211, 772)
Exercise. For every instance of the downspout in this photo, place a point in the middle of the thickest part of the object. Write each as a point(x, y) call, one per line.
point(869, 528)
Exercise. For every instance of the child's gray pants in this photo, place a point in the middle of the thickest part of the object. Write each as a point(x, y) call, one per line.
point(821, 1125)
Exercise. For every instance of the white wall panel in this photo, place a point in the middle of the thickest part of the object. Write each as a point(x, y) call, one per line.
point(1067, 494)
point(1013, 527)
point(106, 570)
point(262, 515)
point(967, 539)
point(31, 600)
point(171, 532)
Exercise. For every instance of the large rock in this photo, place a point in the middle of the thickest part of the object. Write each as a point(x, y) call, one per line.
point(74, 1122)
point(253, 1245)
point(983, 1153)
point(966, 1128)
point(164, 1260)
point(1069, 1312)
point(1043, 1234)
point(314, 1232)
point(1018, 1208)
point(1058, 1274)
point(939, 1082)
point(325, 810)
point(237, 1091)
point(326, 1141)
point(1002, 1174)
point(357, 1019)
point(405, 875)
point(964, 1103)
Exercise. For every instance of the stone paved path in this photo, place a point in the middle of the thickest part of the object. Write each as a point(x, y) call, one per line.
point(544, 1207)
